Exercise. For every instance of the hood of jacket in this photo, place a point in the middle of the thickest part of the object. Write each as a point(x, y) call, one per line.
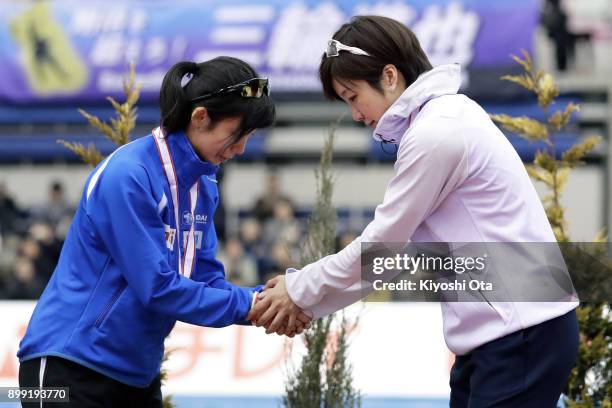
point(439, 81)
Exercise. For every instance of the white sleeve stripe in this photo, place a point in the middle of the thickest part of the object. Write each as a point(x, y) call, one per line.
point(163, 203)
point(41, 375)
point(96, 176)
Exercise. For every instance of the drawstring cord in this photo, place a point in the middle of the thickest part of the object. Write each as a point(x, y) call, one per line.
point(384, 142)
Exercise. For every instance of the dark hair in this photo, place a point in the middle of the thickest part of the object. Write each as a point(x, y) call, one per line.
point(57, 186)
point(206, 77)
point(388, 42)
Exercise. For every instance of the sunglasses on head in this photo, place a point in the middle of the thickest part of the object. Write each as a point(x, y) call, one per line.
point(334, 47)
point(252, 88)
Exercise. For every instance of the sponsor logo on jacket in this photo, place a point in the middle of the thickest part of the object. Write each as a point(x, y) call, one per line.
point(188, 218)
point(170, 235)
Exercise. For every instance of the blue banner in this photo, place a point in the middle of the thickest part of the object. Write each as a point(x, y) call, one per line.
point(79, 51)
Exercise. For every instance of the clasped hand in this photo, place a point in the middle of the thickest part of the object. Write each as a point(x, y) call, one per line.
point(275, 310)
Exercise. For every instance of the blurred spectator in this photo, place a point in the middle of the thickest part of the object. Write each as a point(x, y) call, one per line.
point(554, 19)
point(283, 256)
point(283, 226)
point(49, 247)
point(264, 205)
point(61, 230)
point(250, 236)
point(240, 266)
point(281, 236)
point(8, 256)
point(280, 257)
point(10, 214)
point(31, 245)
point(32, 251)
point(56, 207)
point(344, 239)
point(220, 215)
point(23, 282)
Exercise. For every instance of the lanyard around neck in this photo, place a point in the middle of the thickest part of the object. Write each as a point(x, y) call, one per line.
point(185, 265)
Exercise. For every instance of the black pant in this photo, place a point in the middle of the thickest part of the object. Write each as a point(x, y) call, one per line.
point(526, 369)
point(87, 388)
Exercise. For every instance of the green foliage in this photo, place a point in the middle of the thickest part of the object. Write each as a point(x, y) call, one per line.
point(321, 231)
point(339, 392)
point(541, 83)
point(324, 377)
point(593, 358)
point(546, 168)
point(590, 383)
point(120, 127)
point(573, 156)
point(90, 154)
point(560, 119)
point(163, 374)
point(304, 388)
point(530, 129)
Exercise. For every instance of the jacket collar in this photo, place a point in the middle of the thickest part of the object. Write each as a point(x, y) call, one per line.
point(441, 80)
point(188, 165)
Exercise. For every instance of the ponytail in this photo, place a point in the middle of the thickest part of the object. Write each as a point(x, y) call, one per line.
point(187, 80)
point(174, 105)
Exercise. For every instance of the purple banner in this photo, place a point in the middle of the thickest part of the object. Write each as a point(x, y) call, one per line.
point(75, 51)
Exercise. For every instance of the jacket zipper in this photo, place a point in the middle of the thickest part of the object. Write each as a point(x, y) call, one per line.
point(109, 306)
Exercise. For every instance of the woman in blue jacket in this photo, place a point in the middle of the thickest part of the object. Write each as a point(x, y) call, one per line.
point(140, 253)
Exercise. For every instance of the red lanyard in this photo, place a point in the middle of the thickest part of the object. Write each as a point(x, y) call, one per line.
point(186, 264)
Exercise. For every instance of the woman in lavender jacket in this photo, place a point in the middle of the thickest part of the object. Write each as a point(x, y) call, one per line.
point(456, 179)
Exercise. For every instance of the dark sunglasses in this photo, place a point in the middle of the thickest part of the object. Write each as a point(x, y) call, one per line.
point(253, 88)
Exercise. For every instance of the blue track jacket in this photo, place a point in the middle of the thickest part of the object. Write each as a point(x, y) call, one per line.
point(116, 294)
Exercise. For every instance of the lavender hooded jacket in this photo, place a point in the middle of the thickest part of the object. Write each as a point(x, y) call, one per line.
point(456, 179)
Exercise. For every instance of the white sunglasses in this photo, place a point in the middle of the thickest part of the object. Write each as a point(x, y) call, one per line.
point(334, 47)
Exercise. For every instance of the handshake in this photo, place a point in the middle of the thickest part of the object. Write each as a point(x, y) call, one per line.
point(274, 310)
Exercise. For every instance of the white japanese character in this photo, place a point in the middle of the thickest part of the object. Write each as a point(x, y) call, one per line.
point(85, 21)
point(133, 50)
point(156, 50)
point(300, 35)
point(138, 20)
point(448, 37)
point(397, 10)
point(244, 13)
point(178, 48)
point(114, 19)
point(108, 50)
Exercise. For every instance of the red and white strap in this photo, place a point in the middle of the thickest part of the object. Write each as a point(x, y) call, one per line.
point(185, 265)
point(190, 245)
